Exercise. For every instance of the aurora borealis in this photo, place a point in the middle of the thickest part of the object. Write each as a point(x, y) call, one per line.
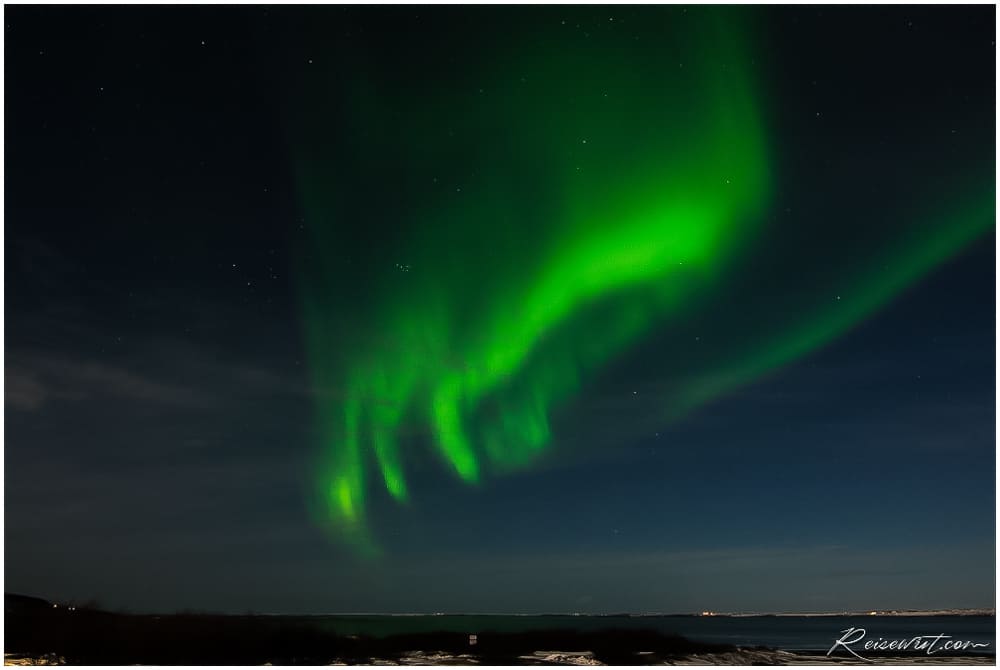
point(497, 304)
point(395, 309)
point(621, 187)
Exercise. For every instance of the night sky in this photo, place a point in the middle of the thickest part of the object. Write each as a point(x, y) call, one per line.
point(500, 309)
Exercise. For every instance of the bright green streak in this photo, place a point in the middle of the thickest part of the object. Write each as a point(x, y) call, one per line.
point(588, 222)
point(863, 294)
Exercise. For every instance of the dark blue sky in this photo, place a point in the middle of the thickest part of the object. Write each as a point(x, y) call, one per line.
point(160, 428)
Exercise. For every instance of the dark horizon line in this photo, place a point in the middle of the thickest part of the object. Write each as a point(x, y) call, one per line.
point(94, 605)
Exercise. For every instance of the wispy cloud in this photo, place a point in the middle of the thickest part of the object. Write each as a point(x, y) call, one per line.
point(34, 380)
point(23, 390)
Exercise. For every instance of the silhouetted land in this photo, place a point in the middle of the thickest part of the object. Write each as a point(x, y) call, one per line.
point(36, 629)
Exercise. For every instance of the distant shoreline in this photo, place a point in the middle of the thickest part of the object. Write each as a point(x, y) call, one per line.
point(13, 598)
point(40, 632)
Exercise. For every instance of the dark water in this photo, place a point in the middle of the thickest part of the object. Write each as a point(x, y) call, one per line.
point(791, 633)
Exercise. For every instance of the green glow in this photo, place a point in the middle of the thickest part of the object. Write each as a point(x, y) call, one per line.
point(864, 291)
point(541, 230)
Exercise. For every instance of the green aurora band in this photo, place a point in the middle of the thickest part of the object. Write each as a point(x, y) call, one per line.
point(543, 226)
